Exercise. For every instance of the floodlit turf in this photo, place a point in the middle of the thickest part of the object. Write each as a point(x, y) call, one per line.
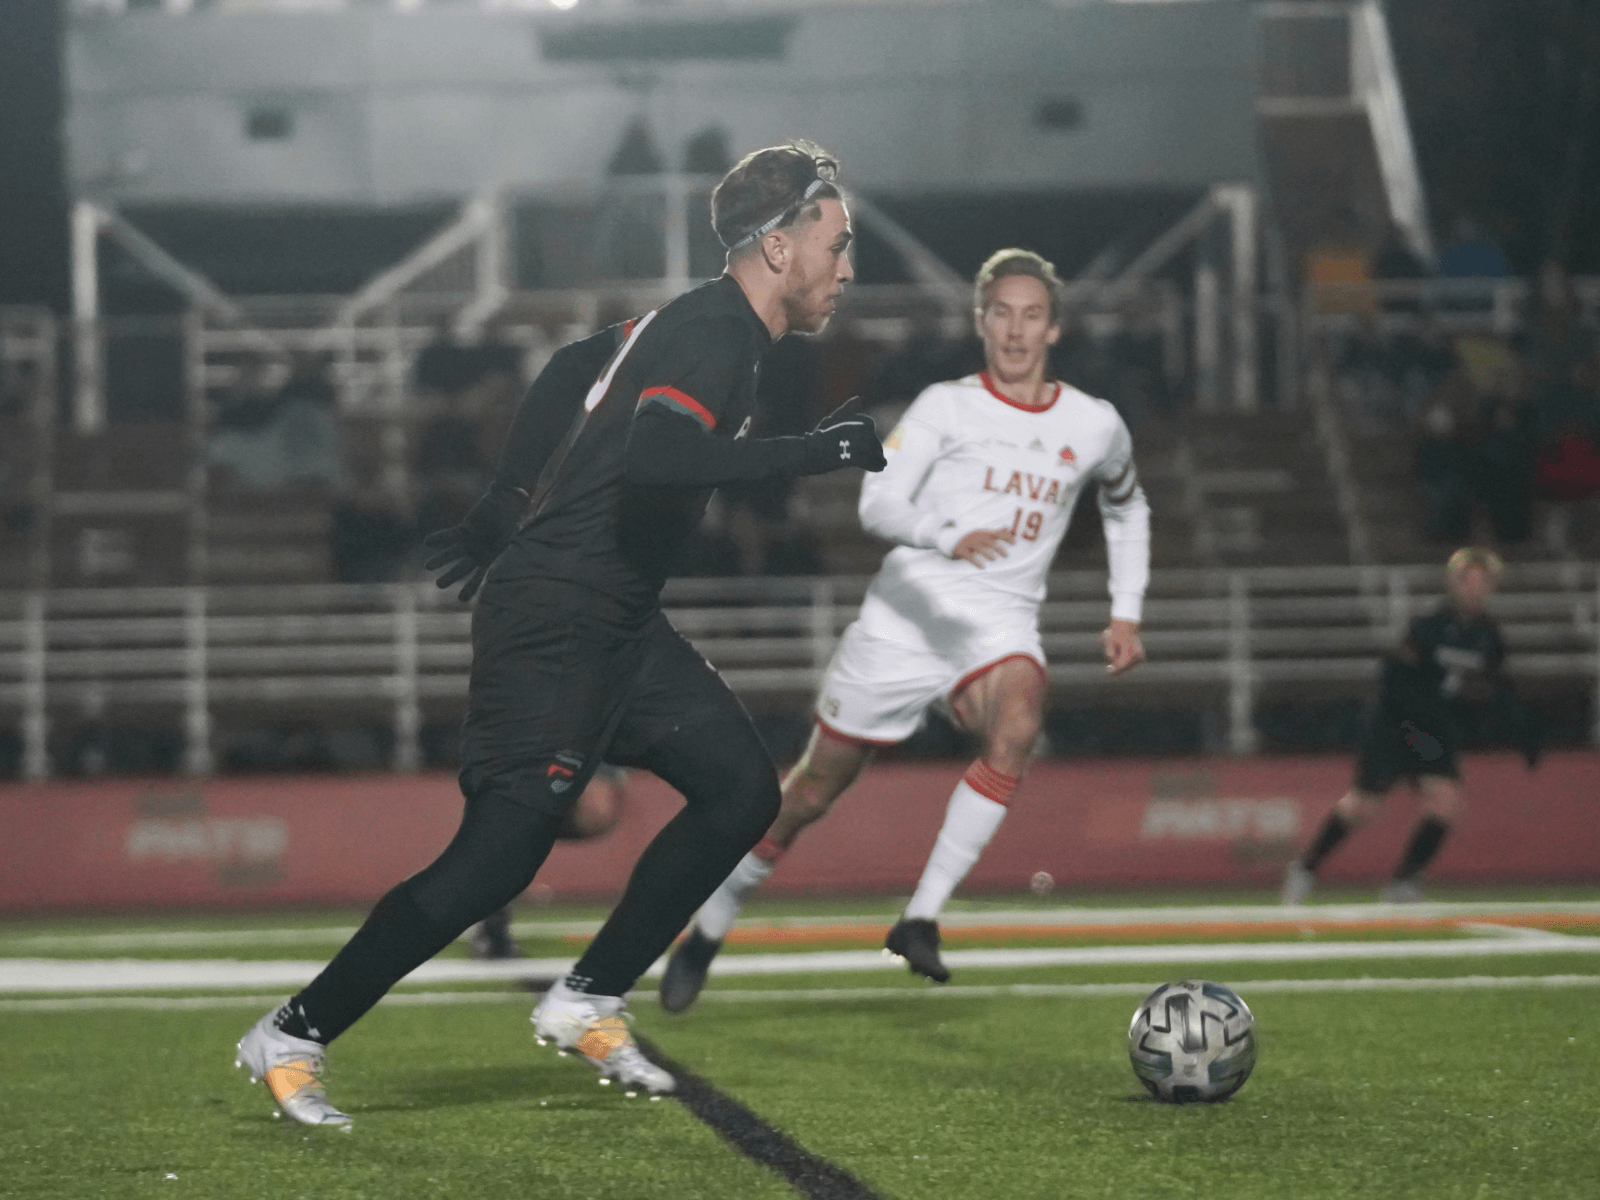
point(447, 1101)
point(1421, 1094)
point(922, 1093)
point(1413, 1095)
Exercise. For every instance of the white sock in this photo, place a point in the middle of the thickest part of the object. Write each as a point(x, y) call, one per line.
point(562, 996)
point(969, 823)
point(717, 915)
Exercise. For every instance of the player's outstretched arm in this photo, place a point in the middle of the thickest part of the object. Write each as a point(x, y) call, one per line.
point(667, 447)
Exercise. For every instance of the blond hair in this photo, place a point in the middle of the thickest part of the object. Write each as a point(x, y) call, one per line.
point(1016, 262)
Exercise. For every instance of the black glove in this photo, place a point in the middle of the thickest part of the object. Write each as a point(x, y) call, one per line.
point(467, 549)
point(850, 442)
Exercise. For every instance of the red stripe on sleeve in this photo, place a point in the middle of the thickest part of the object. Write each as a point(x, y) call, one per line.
point(689, 402)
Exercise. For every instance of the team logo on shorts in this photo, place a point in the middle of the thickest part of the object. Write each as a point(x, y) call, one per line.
point(563, 770)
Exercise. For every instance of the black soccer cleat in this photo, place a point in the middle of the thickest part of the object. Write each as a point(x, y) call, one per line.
point(916, 939)
point(686, 970)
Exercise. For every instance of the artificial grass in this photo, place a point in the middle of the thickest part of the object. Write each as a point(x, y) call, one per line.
point(1422, 1094)
point(448, 1102)
point(924, 1095)
point(1419, 1095)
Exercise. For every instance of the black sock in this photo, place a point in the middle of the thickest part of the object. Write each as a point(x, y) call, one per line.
point(1426, 838)
point(724, 773)
point(1334, 830)
point(396, 938)
point(673, 878)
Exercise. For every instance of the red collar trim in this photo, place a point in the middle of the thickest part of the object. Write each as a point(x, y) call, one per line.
point(1004, 399)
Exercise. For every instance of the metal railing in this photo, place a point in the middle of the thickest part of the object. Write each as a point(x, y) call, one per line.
point(182, 655)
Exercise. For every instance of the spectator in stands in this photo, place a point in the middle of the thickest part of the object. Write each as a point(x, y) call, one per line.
point(284, 439)
point(1472, 253)
point(1396, 259)
point(474, 390)
point(448, 367)
point(1563, 358)
point(370, 536)
point(1505, 427)
point(1504, 465)
point(1444, 476)
point(1339, 267)
point(920, 361)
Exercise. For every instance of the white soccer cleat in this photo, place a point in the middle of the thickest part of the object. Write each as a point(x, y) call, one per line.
point(1297, 883)
point(578, 1023)
point(292, 1069)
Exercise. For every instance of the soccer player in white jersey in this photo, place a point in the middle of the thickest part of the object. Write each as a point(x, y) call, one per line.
point(982, 477)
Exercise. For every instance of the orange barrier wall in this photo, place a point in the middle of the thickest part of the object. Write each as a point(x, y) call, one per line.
point(140, 843)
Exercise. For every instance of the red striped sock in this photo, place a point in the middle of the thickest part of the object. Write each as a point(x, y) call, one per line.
point(990, 782)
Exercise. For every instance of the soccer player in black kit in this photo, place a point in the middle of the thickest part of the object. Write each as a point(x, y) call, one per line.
point(608, 466)
point(1449, 671)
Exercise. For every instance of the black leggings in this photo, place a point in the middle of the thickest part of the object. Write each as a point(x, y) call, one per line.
point(731, 793)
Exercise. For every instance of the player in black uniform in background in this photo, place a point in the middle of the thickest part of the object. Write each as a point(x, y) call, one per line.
point(608, 466)
point(1447, 674)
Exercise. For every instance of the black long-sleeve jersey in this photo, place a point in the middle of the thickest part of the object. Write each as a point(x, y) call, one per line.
point(620, 443)
point(1446, 659)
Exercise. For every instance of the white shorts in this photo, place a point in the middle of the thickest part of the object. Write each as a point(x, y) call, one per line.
point(878, 689)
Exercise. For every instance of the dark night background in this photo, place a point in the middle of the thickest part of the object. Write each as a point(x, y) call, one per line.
point(1502, 96)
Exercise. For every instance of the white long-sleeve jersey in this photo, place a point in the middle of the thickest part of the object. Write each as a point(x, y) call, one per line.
point(965, 457)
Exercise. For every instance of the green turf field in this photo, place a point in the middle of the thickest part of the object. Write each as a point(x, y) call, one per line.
point(1452, 1075)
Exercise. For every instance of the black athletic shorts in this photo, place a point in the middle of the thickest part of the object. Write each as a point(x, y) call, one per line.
point(1396, 746)
point(554, 690)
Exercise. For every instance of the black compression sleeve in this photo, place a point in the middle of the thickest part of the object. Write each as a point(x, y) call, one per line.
point(670, 448)
point(550, 406)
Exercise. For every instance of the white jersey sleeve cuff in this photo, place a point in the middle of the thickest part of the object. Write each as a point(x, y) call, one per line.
point(945, 536)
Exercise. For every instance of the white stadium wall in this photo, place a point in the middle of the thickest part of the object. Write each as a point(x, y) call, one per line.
point(377, 107)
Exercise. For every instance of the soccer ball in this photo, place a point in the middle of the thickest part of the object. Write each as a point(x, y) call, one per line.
point(1192, 1041)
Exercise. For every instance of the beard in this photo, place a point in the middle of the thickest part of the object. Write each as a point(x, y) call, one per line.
point(803, 310)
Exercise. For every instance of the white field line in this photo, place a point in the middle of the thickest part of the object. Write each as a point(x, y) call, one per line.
point(1249, 988)
point(1490, 929)
point(135, 975)
point(1176, 917)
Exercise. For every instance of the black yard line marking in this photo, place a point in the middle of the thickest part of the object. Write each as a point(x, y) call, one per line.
point(813, 1177)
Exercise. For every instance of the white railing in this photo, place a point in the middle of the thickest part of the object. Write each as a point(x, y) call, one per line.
point(182, 655)
point(1384, 307)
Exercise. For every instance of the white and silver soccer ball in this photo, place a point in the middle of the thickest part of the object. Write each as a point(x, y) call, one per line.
point(1192, 1041)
